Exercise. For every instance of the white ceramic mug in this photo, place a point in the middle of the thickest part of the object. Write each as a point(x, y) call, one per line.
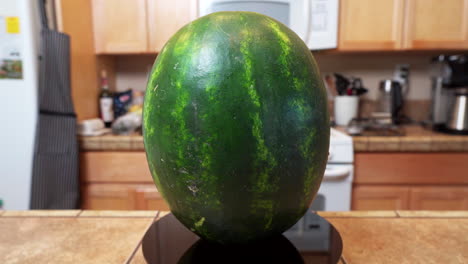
point(346, 108)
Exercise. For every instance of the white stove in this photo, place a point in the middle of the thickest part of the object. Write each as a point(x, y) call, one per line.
point(335, 192)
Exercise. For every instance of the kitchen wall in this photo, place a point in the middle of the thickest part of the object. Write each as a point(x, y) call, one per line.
point(374, 67)
point(371, 67)
point(132, 71)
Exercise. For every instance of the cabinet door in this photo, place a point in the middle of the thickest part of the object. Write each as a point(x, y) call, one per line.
point(436, 24)
point(380, 198)
point(410, 168)
point(371, 24)
point(115, 196)
point(439, 198)
point(114, 167)
point(107, 197)
point(148, 198)
point(120, 26)
point(165, 18)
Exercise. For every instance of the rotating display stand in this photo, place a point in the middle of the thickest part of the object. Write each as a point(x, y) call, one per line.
point(312, 240)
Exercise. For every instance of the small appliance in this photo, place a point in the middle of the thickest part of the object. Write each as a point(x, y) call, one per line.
point(449, 111)
point(390, 102)
point(315, 21)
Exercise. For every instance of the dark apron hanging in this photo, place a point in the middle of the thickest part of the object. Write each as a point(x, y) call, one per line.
point(55, 178)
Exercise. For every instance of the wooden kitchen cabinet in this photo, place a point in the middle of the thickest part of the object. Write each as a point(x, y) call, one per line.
point(439, 198)
point(411, 168)
point(120, 26)
point(410, 181)
point(140, 27)
point(371, 25)
point(410, 197)
point(435, 24)
point(111, 196)
point(114, 167)
point(367, 25)
point(118, 180)
point(107, 197)
point(380, 198)
point(165, 18)
point(148, 198)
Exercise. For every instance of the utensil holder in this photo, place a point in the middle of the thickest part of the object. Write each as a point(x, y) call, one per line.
point(346, 108)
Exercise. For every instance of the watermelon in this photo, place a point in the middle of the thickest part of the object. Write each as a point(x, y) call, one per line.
point(236, 126)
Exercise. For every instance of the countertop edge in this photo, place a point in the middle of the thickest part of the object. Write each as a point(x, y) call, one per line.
point(158, 214)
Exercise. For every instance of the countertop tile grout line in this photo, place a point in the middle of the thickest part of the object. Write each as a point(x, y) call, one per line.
point(360, 217)
point(435, 217)
point(132, 255)
point(119, 216)
point(39, 216)
point(399, 217)
point(397, 213)
point(157, 215)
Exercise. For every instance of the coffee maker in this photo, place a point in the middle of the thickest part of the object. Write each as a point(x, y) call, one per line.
point(449, 111)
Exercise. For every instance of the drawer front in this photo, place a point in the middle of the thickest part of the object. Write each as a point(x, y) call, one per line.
point(114, 167)
point(109, 196)
point(411, 168)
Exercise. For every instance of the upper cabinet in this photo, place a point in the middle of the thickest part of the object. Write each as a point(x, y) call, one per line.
point(120, 26)
point(403, 24)
point(435, 24)
point(370, 24)
point(142, 26)
point(166, 17)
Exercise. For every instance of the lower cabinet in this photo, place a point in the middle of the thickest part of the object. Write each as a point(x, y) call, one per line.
point(410, 181)
point(118, 180)
point(380, 198)
point(374, 197)
point(439, 198)
point(109, 196)
point(121, 180)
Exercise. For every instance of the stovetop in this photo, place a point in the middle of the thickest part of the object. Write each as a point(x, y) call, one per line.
point(373, 127)
point(312, 240)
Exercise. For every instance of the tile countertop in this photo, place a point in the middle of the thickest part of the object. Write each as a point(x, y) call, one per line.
point(115, 236)
point(416, 139)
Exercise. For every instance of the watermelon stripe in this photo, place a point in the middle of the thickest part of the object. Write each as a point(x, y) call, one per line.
point(203, 188)
point(301, 107)
point(263, 184)
point(285, 44)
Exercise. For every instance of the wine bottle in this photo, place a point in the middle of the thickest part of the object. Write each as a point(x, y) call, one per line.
point(106, 101)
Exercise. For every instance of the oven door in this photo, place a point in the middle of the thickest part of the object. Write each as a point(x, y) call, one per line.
point(293, 13)
point(335, 191)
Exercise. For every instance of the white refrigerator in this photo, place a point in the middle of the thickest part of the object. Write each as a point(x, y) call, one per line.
point(19, 31)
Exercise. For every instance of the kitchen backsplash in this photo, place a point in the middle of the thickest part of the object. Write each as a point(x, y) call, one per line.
point(374, 67)
point(417, 110)
point(371, 67)
point(132, 72)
